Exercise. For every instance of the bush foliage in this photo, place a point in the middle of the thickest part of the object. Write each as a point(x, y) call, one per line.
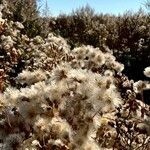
point(60, 96)
point(127, 35)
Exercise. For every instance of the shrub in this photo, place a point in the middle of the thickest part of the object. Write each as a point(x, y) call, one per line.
point(126, 35)
point(67, 99)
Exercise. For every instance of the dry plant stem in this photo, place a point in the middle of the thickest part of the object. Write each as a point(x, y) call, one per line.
point(142, 96)
point(8, 120)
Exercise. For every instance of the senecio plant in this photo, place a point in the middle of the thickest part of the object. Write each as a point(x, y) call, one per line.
point(66, 99)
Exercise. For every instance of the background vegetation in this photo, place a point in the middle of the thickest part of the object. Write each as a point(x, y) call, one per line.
point(127, 35)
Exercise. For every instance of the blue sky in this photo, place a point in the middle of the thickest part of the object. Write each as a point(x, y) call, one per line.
point(106, 6)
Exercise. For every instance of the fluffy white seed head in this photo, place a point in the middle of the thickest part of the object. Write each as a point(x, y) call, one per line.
point(147, 72)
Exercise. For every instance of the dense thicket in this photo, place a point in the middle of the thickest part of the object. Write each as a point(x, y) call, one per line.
point(53, 97)
point(127, 35)
point(27, 12)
